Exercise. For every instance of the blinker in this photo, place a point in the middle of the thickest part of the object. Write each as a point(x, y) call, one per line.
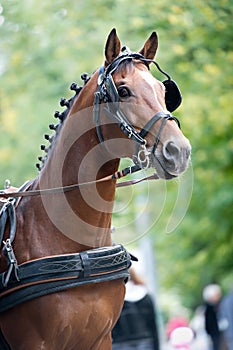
point(173, 97)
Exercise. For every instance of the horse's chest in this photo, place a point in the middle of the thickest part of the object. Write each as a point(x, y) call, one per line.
point(87, 315)
point(79, 318)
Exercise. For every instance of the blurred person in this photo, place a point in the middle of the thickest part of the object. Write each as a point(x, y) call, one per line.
point(212, 295)
point(136, 327)
point(225, 317)
point(201, 339)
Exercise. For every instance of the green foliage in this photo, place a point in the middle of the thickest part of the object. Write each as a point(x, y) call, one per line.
point(46, 45)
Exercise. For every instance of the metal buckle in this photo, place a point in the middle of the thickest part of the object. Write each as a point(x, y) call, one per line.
point(143, 158)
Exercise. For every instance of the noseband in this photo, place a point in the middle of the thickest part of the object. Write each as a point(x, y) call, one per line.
point(107, 93)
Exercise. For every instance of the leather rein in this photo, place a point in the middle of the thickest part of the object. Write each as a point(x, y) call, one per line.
point(64, 189)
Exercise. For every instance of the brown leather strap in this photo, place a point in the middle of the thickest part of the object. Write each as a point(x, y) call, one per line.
point(134, 182)
point(55, 190)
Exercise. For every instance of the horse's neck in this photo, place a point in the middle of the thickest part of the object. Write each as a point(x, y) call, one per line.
point(82, 216)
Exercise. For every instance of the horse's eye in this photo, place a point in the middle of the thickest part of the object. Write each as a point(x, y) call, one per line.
point(124, 92)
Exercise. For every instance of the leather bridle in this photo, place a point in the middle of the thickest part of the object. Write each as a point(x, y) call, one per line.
point(108, 94)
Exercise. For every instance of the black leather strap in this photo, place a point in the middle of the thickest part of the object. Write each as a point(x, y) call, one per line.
point(52, 274)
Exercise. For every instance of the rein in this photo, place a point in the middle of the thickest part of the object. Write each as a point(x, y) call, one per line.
point(117, 175)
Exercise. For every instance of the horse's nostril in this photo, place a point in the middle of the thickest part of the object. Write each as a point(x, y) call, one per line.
point(188, 152)
point(171, 151)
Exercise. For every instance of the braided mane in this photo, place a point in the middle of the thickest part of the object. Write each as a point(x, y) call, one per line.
point(61, 116)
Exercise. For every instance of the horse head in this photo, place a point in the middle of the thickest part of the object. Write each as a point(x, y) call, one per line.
point(140, 105)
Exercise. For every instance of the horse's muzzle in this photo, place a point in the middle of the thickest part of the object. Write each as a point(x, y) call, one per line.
point(171, 158)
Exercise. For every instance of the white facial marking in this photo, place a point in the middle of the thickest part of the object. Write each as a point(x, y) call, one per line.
point(153, 84)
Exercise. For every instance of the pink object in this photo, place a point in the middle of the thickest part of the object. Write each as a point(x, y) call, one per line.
point(181, 338)
point(174, 323)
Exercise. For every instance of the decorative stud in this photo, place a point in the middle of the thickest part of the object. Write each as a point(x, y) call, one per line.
point(48, 137)
point(84, 77)
point(44, 148)
point(74, 86)
point(38, 166)
point(53, 127)
point(40, 158)
point(59, 115)
point(64, 102)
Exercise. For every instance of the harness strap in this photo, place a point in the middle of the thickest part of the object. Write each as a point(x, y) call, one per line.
point(56, 273)
point(3, 219)
point(8, 214)
point(85, 263)
point(11, 263)
point(96, 116)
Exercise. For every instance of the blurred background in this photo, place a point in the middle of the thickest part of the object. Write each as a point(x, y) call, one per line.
point(181, 229)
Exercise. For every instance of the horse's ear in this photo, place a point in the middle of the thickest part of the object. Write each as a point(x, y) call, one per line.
point(112, 47)
point(150, 47)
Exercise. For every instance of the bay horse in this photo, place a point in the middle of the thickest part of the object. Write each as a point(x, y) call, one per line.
point(62, 279)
